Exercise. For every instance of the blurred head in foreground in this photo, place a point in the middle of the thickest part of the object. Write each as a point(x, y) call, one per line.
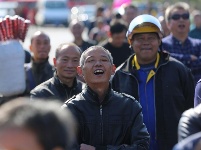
point(39, 125)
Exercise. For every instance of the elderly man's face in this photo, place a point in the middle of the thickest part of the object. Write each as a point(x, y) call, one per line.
point(40, 47)
point(97, 68)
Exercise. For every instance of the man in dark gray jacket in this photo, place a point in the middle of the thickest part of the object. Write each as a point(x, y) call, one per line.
point(64, 84)
point(106, 119)
point(39, 69)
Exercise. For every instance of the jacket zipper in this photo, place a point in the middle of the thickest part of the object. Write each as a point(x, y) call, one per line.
point(137, 87)
point(101, 123)
point(155, 99)
point(67, 95)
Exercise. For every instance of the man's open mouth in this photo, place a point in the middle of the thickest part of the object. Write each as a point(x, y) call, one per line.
point(98, 72)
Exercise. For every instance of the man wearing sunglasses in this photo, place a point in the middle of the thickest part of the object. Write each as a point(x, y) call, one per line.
point(178, 43)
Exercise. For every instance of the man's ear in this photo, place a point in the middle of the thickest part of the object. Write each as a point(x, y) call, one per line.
point(79, 70)
point(30, 48)
point(113, 69)
point(109, 34)
point(55, 62)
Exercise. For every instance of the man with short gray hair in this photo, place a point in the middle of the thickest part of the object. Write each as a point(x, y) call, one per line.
point(106, 119)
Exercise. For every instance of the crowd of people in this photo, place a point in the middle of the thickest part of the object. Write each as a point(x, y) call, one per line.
point(135, 84)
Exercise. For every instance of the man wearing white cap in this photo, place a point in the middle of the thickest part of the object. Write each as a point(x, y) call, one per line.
point(163, 85)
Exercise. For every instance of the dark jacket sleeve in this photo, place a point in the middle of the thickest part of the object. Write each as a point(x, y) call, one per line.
point(75, 144)
point(41, 93)
point(188, 88)
point(139, 135)
point(189, 123)
point(197, 97)
point(45, 90)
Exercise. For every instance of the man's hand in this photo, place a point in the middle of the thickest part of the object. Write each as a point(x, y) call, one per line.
point(86, 147)
point(193, 57)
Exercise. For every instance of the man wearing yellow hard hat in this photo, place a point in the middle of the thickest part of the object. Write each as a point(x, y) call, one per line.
point(163, 86)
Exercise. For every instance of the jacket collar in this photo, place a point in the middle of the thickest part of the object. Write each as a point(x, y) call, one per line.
point(136, 64)
point(177, 41)
point(38, 67)
point(58, 82)
point(92, 96)
point(128, 65)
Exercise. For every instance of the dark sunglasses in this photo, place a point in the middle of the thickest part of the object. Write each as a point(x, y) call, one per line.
point(178, 16)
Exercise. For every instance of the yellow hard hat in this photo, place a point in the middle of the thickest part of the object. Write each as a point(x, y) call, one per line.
point(143, 24)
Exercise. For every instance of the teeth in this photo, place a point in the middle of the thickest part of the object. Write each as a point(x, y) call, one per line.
point(98, 71)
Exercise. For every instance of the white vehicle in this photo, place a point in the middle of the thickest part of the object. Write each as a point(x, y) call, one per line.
point(7, 8)
point(54, 12)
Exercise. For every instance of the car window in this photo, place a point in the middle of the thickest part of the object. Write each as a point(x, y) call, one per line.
point(55, 4)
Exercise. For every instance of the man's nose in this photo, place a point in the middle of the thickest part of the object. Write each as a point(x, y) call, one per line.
point(98, 62)
point(69, 64)
point(43, 45)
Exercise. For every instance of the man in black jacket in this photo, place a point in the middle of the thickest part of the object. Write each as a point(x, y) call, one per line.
point(64, 84)
point(39, 69)
point(116, 43)
point(162, 84)
point(106, 119)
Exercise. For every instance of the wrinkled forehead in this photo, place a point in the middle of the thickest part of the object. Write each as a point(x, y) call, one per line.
point(92, 52)
point(70, 49)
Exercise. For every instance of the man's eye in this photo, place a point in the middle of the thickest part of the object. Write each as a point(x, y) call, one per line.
point(38, 43)
point(91, 60)
point(75, 60)
point(46, 43)
point(64, 60)
point(140, 39)
point(152, 38)
point(105, 60)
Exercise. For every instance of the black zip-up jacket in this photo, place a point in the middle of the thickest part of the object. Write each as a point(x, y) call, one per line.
point(54, 89)
point(114, 124)
point(174, 93)
point(37, 73)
